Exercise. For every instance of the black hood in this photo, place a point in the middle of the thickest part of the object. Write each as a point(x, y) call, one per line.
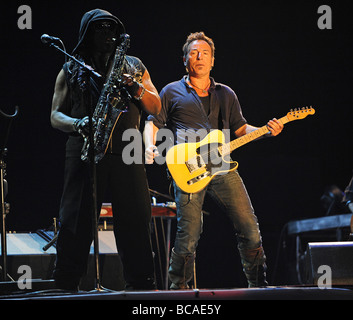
point(91, 16)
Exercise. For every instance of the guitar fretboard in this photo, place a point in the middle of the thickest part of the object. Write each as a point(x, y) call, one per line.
point(227, 148)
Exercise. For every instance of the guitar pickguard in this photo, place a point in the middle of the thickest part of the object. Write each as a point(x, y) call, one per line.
point(207, 156)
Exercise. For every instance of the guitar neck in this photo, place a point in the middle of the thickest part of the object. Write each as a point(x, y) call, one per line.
point(227, 148)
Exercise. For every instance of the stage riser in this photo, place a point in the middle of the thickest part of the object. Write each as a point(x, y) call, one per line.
point(325, 258)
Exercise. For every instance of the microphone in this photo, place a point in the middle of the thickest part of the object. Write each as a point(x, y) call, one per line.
point(48, 39)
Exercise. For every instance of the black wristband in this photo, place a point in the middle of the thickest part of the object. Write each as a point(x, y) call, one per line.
point(75, 124)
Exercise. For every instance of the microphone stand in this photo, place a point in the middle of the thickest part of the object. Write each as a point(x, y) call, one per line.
point(4, 206)
point(91, 72)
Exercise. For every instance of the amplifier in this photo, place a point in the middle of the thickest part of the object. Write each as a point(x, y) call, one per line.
point(337, 257)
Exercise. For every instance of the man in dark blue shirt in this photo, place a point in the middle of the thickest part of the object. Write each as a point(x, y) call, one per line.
point(185, 110)
point(193, 106)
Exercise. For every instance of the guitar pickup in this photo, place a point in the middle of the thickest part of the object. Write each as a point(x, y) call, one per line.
point(198, 178)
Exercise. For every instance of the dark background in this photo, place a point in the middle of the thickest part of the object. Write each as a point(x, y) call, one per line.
point(271, 53)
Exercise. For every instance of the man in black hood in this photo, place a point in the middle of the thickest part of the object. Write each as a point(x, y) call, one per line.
point(127, 184)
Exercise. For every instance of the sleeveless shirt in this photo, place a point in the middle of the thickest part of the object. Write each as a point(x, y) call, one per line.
point(78, 108)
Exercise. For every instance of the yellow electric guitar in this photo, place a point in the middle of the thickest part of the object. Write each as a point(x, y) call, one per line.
point(194, 165)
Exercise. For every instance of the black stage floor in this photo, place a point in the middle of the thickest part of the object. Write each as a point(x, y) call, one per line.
point(269, 293)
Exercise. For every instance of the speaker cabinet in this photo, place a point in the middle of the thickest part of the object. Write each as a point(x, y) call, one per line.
point(338, 256)
point(26, 249)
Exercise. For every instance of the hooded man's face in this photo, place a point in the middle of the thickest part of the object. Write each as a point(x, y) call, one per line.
point(103, 36)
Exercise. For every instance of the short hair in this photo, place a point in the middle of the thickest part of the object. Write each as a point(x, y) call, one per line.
point(198, 36)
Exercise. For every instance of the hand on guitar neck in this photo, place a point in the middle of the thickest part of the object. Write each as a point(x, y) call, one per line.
point(274, 127)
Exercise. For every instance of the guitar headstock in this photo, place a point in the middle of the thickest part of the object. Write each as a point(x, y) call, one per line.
point(298, 114)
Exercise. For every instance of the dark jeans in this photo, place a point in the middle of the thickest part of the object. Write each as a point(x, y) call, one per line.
point(128, 189)
point(230, 193)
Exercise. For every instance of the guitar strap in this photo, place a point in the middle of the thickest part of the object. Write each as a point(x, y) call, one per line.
point(214, 102)
point(220, 119)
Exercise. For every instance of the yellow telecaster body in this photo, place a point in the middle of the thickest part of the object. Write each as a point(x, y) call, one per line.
point(194, 165)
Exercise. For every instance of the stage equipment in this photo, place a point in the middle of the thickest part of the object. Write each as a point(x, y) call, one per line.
point(331, 200)
point(335, 257)
point(3, 190)
point(25, 249)
point(321, 228)
point(317, 224)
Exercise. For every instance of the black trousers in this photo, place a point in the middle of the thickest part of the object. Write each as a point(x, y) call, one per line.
point(129, 195)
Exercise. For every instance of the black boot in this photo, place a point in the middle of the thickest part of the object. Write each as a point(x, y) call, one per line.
point(254, 267)
point(181, 270)
point(67, 283)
